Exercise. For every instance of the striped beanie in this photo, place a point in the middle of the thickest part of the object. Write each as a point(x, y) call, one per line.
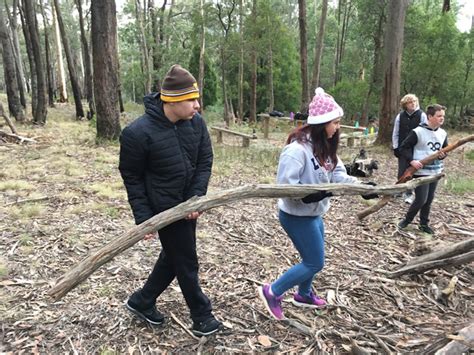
point(323, 108)
point(179, 85)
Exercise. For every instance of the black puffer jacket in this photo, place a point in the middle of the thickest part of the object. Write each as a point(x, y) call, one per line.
point(163, 164)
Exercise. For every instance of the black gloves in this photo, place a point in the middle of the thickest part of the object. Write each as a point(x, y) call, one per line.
point(316, 197)
point(370, 196)
point(396, 152)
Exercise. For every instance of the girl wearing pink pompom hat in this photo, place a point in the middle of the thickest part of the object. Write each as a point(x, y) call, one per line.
point(310, 157)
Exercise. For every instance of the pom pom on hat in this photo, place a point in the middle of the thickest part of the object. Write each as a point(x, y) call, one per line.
point(179, 85)
point(323, 108)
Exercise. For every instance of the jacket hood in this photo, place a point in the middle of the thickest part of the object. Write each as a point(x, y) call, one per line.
point(154, 106)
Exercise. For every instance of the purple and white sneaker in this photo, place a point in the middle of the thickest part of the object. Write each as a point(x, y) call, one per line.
point(311, 301)
point(272, 303)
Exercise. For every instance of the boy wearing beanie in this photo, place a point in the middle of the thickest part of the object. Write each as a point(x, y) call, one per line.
point(165, 159)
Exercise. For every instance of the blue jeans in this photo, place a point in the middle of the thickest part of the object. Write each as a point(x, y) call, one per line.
point(307, 235)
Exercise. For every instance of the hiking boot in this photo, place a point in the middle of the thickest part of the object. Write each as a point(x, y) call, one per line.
point(272, 303)
point(426, 228)
point(403, 224)
point(206, 327)
point(311, 301)
point(150, 315)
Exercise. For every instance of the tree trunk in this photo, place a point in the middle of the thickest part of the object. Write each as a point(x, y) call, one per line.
point(62, 87)
point(105, 61)
point(253, 74)
point(87, 266)
point(271, 96)
point(375, 80)
point(9, 70)
point(318, 52)
point(39, 115)
point(391, 70)
point(88, 81)
point(240, 87)
point(20, 71)
point(49, 66)
point(31, 60)
point(303, 55)
point(145, 57)
point(202, 50)
point(76, 90)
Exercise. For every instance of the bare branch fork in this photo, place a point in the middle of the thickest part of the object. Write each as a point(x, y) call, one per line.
point(408, 175)
point(87, 266)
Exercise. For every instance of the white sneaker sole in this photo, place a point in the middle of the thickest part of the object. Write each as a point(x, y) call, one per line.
point(306, 305)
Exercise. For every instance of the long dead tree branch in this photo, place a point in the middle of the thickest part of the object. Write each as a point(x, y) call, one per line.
point(408, 175)
point(433, 264)
point(96, 259)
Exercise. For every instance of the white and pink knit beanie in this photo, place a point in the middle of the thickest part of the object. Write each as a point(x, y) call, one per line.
point(323, 108)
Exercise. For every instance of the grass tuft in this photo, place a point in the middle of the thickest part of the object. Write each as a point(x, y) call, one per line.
point(460, 185)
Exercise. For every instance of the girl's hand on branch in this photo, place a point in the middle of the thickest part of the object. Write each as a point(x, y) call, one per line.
point(442, 155)
point(416, 164)
point(193, 215)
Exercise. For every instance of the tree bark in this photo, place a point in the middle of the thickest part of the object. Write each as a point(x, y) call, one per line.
point(47, 50)
point(459, 346)
point(446, 252)
point(31, 60)
point(86, 55)
point(9, 70)
point(393, 43)
point(62, 87)
point(318, 52)
point(20, 71)
point(202, 51)
point(86, 267)
point(408, 175)
point(39, 116)
point(76, 90)
point(240, 87)
point(105, 61)
point(253, 66)
point(434, 264)
point(145, 57)
point(303, 55)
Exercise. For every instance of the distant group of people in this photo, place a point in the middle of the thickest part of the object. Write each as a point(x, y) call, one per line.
point(166, 158)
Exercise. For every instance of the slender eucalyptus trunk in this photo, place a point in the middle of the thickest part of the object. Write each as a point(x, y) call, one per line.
point(11, 82)
point(39, 116)
point(76, 90)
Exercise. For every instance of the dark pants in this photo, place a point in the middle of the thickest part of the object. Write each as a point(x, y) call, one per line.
point(424, 196)
point(178, 258)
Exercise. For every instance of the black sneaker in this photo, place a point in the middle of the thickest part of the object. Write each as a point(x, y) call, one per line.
point(425, 228)
point(151, 315)
point(206, 327)
point(403, 224)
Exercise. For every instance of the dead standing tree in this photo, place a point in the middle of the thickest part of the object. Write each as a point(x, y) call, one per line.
point(91, 263)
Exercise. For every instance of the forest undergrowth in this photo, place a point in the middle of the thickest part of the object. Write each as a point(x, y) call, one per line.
point(63, 197)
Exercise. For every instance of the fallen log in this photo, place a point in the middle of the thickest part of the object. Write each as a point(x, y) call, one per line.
point(447, 251)
point(462, 343)
point(15, 138)
point(434, 264)
point(87, 266)
point(408, 175)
